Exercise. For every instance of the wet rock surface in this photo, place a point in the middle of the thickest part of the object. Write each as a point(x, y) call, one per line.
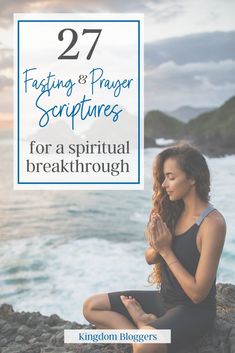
point(22, 332)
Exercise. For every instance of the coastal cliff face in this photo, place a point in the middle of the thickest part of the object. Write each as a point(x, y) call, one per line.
point(212, 132)
point(22, 332)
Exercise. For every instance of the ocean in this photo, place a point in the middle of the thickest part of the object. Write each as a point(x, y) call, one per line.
point(59, 247)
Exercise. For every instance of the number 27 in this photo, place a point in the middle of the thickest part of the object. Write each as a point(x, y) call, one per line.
point(74, 40)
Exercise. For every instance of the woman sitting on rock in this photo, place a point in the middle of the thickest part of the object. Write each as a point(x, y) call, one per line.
point(185, 236)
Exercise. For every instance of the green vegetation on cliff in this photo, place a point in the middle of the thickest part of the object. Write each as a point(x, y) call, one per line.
point(213, 132)
point(217, 126)
point(158, 124)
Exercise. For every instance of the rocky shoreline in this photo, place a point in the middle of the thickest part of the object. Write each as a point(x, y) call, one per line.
point(23, 332)
point(210, 148)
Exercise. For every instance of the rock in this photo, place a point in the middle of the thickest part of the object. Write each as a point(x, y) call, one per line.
point(36, 333)
point(59, 339)
point(23, 330)
point(149, 142)
point(22, 317)
point(52, 340)
point(3, 342)
point(53, 320)
point(32, 321)
point(2, 323)
point(8, 330)
point(6, 310)
point(45, 336)
point(19, 338)
point(53, 350)
point(33, 340)
point(17, 348)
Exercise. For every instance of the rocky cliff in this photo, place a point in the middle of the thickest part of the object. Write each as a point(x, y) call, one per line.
point(23, 332)
point(212, 132)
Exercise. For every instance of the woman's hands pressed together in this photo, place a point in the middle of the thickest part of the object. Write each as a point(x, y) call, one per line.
point(158, 236)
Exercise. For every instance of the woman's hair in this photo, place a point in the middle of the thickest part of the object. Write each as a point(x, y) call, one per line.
point(194, 165)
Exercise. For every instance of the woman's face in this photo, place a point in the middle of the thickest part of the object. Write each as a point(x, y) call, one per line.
point(176, 182)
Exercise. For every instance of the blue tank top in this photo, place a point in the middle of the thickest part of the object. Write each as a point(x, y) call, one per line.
point(185, 248)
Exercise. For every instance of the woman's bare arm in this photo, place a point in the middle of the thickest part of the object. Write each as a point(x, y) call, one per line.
point(212, 231)
point(151, 256)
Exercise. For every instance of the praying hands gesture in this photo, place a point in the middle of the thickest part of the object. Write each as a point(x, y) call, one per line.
point(158, 235)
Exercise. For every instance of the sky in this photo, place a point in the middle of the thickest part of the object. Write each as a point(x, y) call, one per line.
point(189, 48)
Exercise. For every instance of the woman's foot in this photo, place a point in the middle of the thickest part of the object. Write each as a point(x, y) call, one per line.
point(135, 310)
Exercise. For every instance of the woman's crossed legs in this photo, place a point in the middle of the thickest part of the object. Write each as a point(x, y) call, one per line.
point(121, 310)
point(146, 310)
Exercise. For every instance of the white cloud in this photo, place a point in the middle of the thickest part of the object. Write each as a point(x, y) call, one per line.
point(177, 18)
point(164, 18)
point(217, 46)
point(178, 80)
point(198, 84)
